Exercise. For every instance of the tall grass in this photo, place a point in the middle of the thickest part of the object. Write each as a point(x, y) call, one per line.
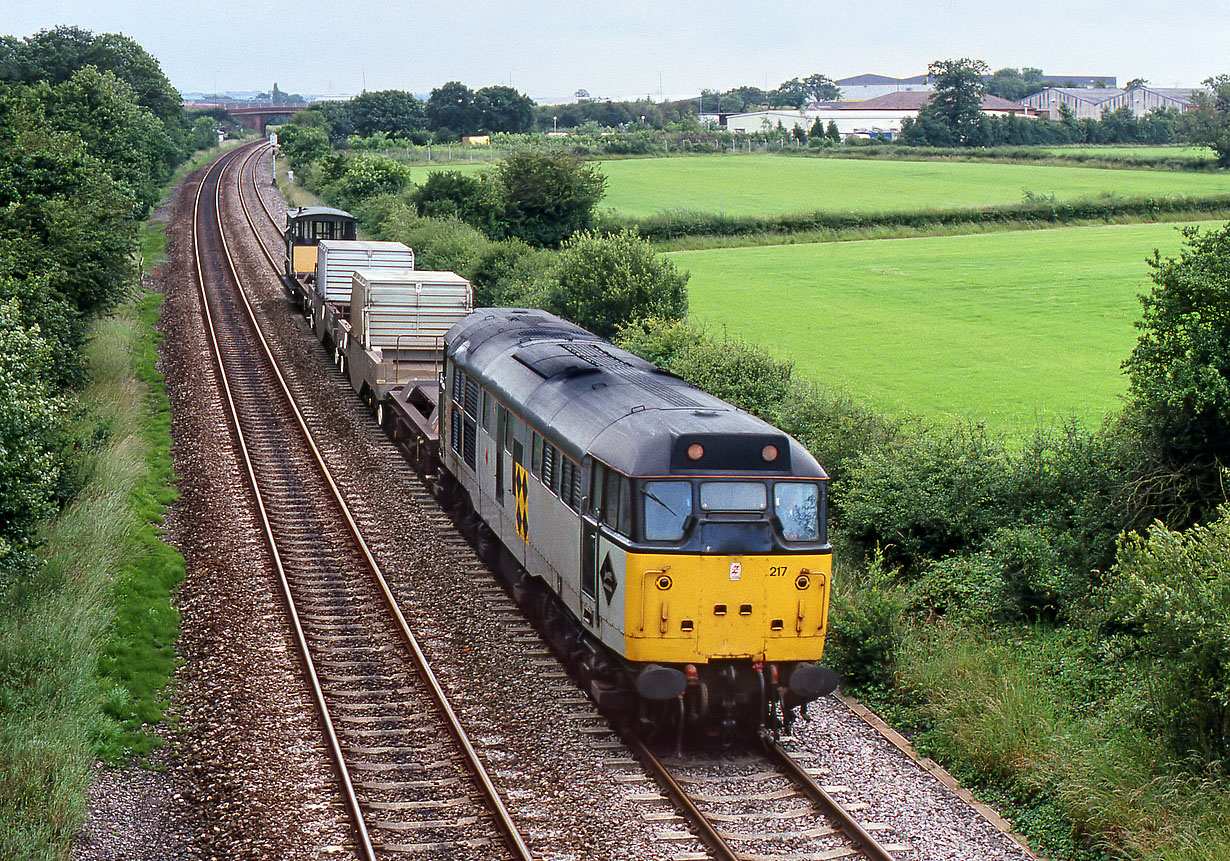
point(1027, 714)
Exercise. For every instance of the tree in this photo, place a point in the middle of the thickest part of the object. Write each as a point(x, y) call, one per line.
point(370, 175)
point(791, 94)
point(1179, 375)
point(1135, 83)
point(503, 109)
point(303, 144)
point(1007, 84)
point(54, 55)
point(394, 112)
point(1209, 123)
point(548, 196)
point(821, 88)
point(451, 109)
point(607, 283)
point(450, 193)
point(956, 103)
point(103, 112)
point(832, 132)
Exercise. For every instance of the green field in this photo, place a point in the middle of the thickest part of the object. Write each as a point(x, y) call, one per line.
point(767, 185)
point(1008, 328)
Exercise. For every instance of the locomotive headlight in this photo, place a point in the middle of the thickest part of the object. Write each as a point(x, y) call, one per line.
point(696, 451)
point(664, 582)
point(769, 453)
point(802, 582)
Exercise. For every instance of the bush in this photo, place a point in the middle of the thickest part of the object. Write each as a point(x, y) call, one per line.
point(367, 176)
point(1167, 600)
point(548, 196)
point(506, 272)
point(961, 587)
point(605, 283)
point(453, 194)
point(439, 243)
point(864, 630)
point(934, 493)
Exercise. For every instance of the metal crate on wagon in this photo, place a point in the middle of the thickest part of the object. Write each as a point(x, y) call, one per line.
point(336, 263)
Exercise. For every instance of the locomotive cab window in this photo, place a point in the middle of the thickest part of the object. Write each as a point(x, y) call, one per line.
point(733, 496)
point(797, 506)
point(668, 505)
point(610, 495)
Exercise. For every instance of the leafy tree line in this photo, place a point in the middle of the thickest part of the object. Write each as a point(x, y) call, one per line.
point(452, 110)
point(90, 129)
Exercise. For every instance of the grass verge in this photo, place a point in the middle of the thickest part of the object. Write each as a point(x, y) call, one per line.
point(87, 642)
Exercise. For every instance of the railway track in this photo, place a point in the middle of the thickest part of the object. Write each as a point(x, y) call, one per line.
point(749, 808)
point(753, 807)
point(409, 777)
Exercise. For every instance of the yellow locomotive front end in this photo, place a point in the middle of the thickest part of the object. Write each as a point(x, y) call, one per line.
point(725, 587)
point(693, 609)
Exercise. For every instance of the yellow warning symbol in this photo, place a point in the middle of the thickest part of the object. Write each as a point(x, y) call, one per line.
point(521, 491)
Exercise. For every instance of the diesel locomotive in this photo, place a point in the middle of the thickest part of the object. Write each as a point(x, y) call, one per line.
point(684, 540)
point(672, 548)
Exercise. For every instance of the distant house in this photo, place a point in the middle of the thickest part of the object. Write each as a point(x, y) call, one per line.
point(872, 118)
point(1092, 103)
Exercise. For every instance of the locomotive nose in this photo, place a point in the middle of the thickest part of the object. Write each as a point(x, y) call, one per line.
point(809, 681)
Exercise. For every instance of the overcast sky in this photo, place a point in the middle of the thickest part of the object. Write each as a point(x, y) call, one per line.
point(624, 48)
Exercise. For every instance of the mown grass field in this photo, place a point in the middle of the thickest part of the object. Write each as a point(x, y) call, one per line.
point(766, 185)
point(1009, 329)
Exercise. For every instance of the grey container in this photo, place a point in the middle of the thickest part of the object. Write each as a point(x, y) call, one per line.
point(337, 260)
point(406, 311)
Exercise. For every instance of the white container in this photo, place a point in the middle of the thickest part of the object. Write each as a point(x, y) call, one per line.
point(406, 310)
point(337, 260)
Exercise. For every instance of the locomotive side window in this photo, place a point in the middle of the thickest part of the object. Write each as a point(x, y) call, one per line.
point(797, 506)
point(733, 496)
point(611, 498)
point(487, 403)
point(668, 505)
point(536, 455)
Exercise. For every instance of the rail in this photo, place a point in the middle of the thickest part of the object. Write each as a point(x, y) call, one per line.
point(474, 765)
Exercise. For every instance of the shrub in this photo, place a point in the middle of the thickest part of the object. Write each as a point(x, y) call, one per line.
point(506, 272)
point(1169, 596)
point(961, 587)
point(605, 283)
point(933, 493)
point(864, 629)
point(367, 176)
point(438, 243)
point(548, 196)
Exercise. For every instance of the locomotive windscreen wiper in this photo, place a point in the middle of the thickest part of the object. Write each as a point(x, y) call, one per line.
point(650, 494)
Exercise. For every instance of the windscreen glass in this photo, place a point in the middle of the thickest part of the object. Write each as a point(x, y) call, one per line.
point(668, 504)
point(733, 496)
point(797, 506)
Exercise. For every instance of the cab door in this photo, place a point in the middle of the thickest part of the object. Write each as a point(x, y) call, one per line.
point(589, 569)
